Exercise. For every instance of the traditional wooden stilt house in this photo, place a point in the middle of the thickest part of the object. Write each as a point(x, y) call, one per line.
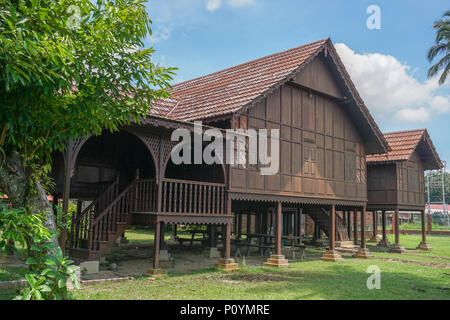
point(326, 132)
point(396, 180)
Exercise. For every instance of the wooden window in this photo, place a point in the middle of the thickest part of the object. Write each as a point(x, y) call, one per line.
point(309, 160)
point(350, 167)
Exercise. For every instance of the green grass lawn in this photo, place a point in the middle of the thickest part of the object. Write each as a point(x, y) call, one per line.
point(309, 279)
point(303, 280)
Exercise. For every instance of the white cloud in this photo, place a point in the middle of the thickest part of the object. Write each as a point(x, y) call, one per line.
point(389, 89)
point(212, 5)
point(161, 32)
point(412, 115)
point(239, 3)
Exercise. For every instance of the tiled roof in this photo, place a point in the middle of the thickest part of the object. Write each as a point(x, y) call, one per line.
point(227, 91)
point(402, 143)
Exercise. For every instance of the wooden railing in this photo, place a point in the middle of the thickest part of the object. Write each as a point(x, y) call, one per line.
point(91, 227)
point(116, 212)
point(191, 197)
point(80, 223)
point(146, 196)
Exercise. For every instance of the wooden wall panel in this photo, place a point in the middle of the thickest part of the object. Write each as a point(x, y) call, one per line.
point(273, 109)
point(286, 105)
point(316, 75)
point(308, 111)
point(296, 108)
point(316, 137)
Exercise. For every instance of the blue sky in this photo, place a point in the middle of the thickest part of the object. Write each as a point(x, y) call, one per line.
point(388, 66)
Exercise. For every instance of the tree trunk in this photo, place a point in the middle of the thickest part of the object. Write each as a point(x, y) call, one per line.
point(14, 182)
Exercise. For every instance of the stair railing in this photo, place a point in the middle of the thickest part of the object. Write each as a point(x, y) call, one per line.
point(80, 223)
point(117, 211)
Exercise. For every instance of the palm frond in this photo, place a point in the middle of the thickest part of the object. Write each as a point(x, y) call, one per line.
point(444, 75)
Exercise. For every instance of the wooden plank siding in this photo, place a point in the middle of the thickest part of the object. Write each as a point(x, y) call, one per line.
point(321, 153)
point(397, 184)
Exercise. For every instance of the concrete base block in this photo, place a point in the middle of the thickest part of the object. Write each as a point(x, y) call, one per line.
point(424, 246)
point(214, 253)
point(164, 255)
point(278, 261)
point(373, 239)
point(123, 240)
point(363, 253)
point(155, 272)
point(90, 267)
point(227, 265)
point(397, 248)
point(332, 255)
point(384, 243)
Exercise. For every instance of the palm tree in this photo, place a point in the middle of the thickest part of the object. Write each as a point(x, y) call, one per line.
point(442, 46)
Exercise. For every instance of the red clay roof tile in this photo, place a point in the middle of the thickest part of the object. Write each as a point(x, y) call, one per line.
point(226, 91)
point(402, 143)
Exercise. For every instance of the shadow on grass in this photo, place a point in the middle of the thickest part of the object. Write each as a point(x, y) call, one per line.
point(338, 282)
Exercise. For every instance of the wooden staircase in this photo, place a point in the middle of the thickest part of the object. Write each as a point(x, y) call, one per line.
point(322, 218)
point(95, 230)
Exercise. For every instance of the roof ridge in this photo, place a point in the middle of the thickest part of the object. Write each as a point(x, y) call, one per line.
point(252, 61)
point(405, 131)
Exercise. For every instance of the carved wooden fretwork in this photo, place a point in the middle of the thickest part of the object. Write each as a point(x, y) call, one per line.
point(150, 140)
point(168, 145)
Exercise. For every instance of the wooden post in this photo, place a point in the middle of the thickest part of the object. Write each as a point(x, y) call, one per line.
point(277, 259)
point(397, 247)
point(363, 228)
point(349, 224)
point(331, 254)
point(424, 245)
point(156, 271)
point(332, 228)
point(384, 242)
point(227, 263)
point(278, 230)
point(239, 225)
point(374, 226)
point(301, 224)
point(363, 252)
point(355, 227)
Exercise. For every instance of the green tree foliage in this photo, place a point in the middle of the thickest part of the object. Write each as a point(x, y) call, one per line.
point(68, 68)
point(442, 46)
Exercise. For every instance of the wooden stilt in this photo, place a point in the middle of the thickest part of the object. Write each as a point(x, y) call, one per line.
point(156, 271)
point(349, 224)
point(226, 263)
point(277, 259)
point(384, 242)
point(397, 247)
point(355, 227)
point(424, 245)
point(331, 254)
point(374, 226)
point(363, 252)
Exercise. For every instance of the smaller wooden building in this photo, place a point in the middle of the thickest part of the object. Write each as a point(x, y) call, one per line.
point(395, 180)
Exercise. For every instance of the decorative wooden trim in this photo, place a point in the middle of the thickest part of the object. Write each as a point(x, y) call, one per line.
point(293, 199)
